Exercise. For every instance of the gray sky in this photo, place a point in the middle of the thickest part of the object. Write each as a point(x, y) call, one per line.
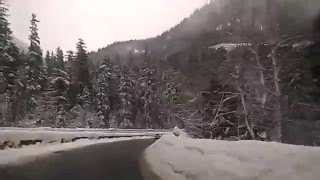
point(98, 22)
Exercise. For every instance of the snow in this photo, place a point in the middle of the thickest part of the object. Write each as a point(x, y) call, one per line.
point(21, 85)
point(49, 135)
point(179, 132)
point(136, 51)
point(181, 158)
point(302, 44)
point(229, 46)
point(31, 153)
point(219, 28)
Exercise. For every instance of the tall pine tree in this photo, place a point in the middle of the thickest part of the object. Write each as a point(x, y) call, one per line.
point(106, 88)
point(127, 97)
point(71, 66)
point(8, 62)
point(34, 71)
point(82, 59)
point(59, 63)
point(150, 95)
point(49, 63)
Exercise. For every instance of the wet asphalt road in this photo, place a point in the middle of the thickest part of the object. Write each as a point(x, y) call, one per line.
point(110, 161)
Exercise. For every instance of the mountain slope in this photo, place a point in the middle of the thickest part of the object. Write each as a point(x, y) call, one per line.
point(222, 21)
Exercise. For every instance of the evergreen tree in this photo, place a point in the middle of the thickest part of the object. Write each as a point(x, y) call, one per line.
point(8, 61)
point(83, 64)
point(34, 71)
point(47, 57)
point(59, 63)
point(106, 88)
point(150, 95)
point(53, 103)
point(127, 97)
point(71, 66)
point(85, 100)
point(72, 71)
point(61, 118)
point(49, 63)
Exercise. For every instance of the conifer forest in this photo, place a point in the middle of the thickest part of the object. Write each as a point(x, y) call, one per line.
point(233, 70)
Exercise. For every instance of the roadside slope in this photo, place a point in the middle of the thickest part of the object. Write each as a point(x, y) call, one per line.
point(180, 158)
point(80, 160)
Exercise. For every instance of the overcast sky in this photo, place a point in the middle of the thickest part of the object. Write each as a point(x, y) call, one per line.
point(98, 22)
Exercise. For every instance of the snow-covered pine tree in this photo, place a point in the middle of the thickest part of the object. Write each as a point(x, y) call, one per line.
point(46, 109)
point(61, 117)
point(71, 66)
point(170, 85)
point(49, 63)
point(34, 71)
point(83, 114)
point(150, 95)
point(8, 61)
point(127, 97)
point(59, 63)
point(85, 99)
point(83, 75)
point(106, 87)
point(54, 101)
point(60, 82)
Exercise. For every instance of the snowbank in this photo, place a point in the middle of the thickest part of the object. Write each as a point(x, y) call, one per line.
point(18, 136)
point(116, 158)
point(31, 153)
point(180, 158)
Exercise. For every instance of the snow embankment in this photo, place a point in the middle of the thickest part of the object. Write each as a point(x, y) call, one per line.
point(182, 158)
point(116, 158)
point(18, 137)
point(34, 152)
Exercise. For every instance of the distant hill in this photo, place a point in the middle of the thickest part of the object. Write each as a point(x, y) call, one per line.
point(23, 46)
point(221, 21)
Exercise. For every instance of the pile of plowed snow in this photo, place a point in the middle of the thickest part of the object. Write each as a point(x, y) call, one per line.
point(182, 158)
point(19, 137)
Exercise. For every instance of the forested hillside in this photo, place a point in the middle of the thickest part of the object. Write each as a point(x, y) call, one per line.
point(222, 21)
point(65, 89)
point(256, 51)
point(235, 69)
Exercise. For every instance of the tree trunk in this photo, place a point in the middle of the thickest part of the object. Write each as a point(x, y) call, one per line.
point(275, 131)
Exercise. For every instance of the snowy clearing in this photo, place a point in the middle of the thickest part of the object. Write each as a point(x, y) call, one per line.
point(180, 158)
